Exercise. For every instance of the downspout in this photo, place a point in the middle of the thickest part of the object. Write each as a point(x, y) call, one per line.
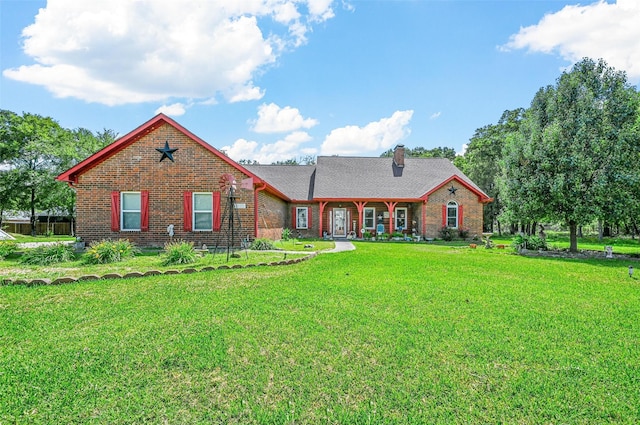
point(255, 208)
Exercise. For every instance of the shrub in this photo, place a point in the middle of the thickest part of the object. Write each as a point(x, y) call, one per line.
point(7, 248)
point(529, 242)
point(262, 244)
point(109, 251)
point(463, 233)
point(48, 254)
point(179, 252)
point(446, 233)
point(286, 234)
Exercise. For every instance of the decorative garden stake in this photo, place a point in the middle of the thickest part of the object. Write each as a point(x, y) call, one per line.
point(630, 271)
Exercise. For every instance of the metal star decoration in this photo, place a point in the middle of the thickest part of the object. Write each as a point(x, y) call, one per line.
point(452, 190)
point(166, 152)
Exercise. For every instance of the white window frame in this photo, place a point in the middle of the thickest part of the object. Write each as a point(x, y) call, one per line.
point(300, 210)
point(194, 212)
point(452, 206)
point(373, 218)
point(123, 211)
point(396, 216)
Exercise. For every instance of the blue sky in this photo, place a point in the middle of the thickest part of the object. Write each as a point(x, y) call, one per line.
point(277, 79)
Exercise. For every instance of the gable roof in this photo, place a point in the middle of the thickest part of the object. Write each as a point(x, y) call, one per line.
point(380, 178)
point(71, 175)
point(294, 181)
point(346, 178)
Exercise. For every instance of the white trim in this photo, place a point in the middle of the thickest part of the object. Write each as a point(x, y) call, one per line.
point(453, 204)
point(122, 211)
point(194, 212)
point(364, 218)
point(306, 217)
point(400, 213)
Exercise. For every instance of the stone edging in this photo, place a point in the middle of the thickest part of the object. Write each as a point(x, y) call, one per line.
point(67, 279)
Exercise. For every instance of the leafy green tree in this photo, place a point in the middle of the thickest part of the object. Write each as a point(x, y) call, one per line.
point(482, 158)
point(34, 150)
point(573, 156)
point(420, 152)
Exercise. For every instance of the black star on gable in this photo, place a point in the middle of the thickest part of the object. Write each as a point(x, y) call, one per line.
point(452, 190)
point(166, 152)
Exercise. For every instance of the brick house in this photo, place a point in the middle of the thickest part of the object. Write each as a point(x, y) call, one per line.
point(161, 175)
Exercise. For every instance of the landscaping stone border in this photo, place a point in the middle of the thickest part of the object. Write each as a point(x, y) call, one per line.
point(68, 279)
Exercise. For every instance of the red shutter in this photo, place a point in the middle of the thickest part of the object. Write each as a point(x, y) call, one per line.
point(460, 219)
point(444, 216)
point(217, 222)
point(309, 222)
point(293, 218)
point(115, 211)
point(187, 209)
point(144, 210)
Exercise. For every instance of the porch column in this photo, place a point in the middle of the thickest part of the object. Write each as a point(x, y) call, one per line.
point(390, 207)
point(322, 205)
point(360, 205)
point(424, 217)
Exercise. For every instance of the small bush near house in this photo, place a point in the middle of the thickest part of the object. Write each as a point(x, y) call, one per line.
point(48, 254)
point(286, 234)
point(463, 233)
point(446, 233)
point(7, 248)
point(109, 251)
point(179, 252)
point(262, 244)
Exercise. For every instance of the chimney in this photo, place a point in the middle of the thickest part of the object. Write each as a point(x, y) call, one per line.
point(398, 156)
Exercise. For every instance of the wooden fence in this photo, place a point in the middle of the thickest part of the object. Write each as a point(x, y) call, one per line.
point(41, 228)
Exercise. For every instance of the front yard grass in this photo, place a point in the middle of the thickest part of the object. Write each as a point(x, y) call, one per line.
point(389, 333)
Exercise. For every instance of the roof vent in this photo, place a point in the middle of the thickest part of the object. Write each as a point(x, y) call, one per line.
point(398, 156)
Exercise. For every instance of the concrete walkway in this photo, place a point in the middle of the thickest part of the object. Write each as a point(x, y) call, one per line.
point(341, 246)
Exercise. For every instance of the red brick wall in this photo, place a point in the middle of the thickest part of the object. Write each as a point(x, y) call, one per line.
point(273, 213)
point(137, 168)
point(471, 210)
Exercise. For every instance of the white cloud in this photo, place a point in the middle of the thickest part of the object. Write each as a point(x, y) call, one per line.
point(121, 51)
point(375, 136)
point(274, 119)
point(289, 147)
point(601, 30)
point(435, 115)
point(174, 110)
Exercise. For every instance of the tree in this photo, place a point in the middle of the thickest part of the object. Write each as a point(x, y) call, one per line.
point(481, 161)
point(573, 157)
point(420, 152)
point(35, 149)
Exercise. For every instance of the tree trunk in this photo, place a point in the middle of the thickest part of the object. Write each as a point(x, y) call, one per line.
point(600, 230)
point(33, 212)
point(573, 237)
point(499, 229)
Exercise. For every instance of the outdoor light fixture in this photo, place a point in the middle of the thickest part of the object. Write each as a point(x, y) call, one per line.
point(630, 271)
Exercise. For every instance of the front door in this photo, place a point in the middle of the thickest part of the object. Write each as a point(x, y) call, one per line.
point(339, 223)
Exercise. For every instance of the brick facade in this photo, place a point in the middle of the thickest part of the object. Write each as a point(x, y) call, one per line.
point(136, 168)
point(132, 164)
point(472, 209)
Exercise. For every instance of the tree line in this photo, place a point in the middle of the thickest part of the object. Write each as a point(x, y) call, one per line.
point(33, 151)
point(571, 158)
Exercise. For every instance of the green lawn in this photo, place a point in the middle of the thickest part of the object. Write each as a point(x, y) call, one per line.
point(389, 333)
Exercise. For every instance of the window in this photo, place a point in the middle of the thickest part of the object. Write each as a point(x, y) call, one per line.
point(203, 211)
point(369, 218)
point(452, 215)
point(131, 211)
point(302, 218)
point(401, 219)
